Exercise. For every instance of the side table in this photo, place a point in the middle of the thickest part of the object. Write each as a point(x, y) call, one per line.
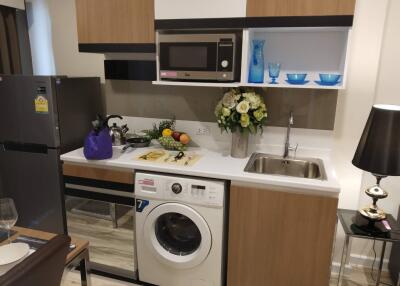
point(348, 219)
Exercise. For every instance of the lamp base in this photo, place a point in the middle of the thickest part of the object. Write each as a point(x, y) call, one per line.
point(372, 214)
point(365, 226)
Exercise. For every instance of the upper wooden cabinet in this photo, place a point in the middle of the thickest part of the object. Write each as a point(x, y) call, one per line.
point(115, 21)
point(275, 8)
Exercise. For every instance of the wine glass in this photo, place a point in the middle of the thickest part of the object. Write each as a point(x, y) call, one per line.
point(8, 215)
point(274, 69)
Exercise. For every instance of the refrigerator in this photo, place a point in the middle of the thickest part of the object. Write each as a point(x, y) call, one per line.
point(42, 117)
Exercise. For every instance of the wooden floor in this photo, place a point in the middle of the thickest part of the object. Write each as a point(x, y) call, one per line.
point(358, 277)
point(100, 233)
point(72, 278)
point(109, 246)
point(362, 277)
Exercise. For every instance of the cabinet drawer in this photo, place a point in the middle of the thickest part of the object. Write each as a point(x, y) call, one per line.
point(123, 177)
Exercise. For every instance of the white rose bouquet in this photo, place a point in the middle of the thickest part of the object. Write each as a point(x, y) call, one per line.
point(242, 110)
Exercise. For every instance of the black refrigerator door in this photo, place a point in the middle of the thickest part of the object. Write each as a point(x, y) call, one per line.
point(34, 181)
point(31, 113)
point(10, 110)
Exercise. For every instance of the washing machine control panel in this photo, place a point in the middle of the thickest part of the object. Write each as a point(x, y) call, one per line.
point(205, 192)
point(199, 192)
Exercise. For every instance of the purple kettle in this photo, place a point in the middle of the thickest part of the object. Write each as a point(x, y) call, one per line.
point(98, 143)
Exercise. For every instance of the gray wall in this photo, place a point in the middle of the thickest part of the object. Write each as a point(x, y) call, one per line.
point(313, 109)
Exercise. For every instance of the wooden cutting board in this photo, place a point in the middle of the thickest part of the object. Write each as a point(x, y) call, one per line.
point(168, 157)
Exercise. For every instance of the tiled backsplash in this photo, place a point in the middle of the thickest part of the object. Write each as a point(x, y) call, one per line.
point(310, 142)
point(312, 109)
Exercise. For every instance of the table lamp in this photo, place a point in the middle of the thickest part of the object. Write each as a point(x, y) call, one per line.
point(378, 152)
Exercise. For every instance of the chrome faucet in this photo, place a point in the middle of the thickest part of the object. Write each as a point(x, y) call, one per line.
point(289, 148)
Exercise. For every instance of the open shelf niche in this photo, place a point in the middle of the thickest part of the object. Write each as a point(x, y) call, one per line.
point(310, 50)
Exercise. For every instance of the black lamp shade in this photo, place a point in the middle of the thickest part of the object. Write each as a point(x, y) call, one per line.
point(379, 149)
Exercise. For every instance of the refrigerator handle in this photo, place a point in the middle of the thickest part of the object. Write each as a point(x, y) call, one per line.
point(25, 147)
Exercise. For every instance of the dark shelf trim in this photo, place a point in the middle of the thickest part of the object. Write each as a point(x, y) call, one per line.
point(255, 22)
point(204, 23)
point(300, 21)
point(99, 197)
point(117, 48)
point(130, 70)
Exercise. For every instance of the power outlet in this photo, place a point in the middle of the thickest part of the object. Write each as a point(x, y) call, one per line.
point(203, 131)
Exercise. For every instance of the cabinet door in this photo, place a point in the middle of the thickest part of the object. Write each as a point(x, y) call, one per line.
point(271, 8)
point(278, 238)
point(115, 21)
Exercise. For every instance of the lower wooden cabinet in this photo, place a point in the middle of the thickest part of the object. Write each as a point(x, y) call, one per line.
point(116, 176)
point(279, 238)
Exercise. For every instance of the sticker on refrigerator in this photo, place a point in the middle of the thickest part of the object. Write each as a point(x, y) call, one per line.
point(41, 104)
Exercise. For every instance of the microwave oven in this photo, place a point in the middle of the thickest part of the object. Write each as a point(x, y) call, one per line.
point(198, 57)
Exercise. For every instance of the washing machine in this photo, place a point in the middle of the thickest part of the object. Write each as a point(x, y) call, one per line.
point(180, 230)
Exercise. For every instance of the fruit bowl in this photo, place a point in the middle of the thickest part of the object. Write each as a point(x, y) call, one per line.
point(174, 140)
point(169, 143)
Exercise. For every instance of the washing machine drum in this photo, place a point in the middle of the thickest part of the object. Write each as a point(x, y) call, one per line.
point(177, 235)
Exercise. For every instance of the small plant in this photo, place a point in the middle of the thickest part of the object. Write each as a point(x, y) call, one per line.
point(156, 132)
point(241, 110)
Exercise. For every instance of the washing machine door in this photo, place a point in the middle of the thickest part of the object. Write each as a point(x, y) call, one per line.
point(177, 235)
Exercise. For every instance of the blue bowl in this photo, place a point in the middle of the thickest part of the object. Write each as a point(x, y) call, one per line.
point(296, 78)
point(329, 78)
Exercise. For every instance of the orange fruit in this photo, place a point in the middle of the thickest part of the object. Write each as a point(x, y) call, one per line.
point(184, 139)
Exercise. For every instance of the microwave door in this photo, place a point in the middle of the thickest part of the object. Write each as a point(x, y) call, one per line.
point(188, 61)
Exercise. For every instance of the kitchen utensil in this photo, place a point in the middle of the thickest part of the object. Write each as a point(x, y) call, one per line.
point(328, 79)
point(169, 157)
point(153, 155)
point(274, 70)
point(296, 78)
point(12, 252)
point(98, 143)
point(136, 142)
point(188, 160)
point(297, 83)
point(117, 133)
point(179, 156)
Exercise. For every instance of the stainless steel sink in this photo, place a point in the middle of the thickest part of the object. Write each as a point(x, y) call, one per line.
point(309, 168)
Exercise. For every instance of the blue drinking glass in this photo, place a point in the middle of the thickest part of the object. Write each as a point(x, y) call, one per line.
point(274, 70)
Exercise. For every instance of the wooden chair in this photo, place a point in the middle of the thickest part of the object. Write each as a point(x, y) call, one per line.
point(42, 268)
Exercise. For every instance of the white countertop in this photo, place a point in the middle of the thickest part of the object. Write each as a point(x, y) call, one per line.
point(213, 164)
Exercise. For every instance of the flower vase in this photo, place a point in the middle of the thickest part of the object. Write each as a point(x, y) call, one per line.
point(240, 144)
point(256, 73)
